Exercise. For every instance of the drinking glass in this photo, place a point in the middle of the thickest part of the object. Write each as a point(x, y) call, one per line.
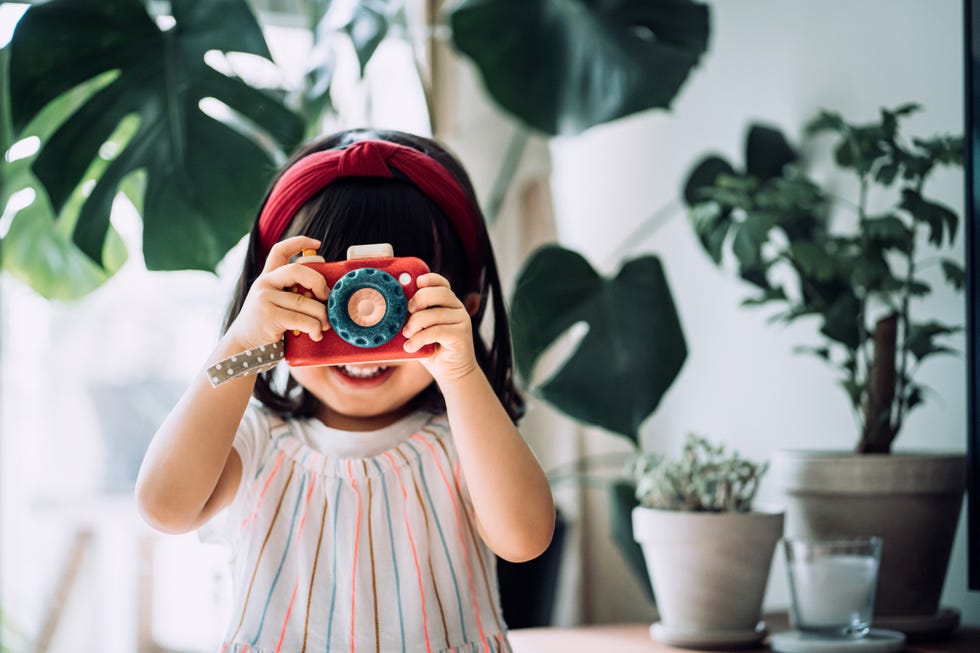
point(832, 584)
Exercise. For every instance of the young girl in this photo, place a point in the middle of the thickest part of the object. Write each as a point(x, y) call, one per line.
point(363, 503)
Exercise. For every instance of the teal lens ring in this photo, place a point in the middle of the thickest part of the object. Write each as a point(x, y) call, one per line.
point(347, 327)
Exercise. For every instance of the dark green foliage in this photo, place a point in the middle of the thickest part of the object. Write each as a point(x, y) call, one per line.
point(195, 203)
point(632, 352)
point(562, 66)
point(855, 274)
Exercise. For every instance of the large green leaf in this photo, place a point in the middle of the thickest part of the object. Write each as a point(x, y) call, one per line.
point(633, 350)
point(39, 251)
point(563, 66)
point(37, 248)
point(204, 178)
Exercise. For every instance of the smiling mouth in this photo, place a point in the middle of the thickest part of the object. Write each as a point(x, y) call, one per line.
point(362, 372)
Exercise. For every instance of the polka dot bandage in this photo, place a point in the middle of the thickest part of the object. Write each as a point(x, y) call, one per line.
point(252, 361)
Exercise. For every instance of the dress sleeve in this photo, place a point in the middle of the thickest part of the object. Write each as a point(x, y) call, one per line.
point(250, 438)
point(253, 432)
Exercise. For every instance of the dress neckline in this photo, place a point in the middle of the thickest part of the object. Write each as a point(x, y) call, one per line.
point(336, 453)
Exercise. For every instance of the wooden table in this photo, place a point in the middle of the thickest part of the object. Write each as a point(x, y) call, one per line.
point(635, 638)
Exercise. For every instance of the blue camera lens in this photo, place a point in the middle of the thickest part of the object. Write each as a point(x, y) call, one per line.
point(367, 307)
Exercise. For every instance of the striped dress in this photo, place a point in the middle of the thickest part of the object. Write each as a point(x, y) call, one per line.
point(356, 542)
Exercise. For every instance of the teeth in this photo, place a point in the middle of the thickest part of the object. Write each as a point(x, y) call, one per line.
point(362, 372)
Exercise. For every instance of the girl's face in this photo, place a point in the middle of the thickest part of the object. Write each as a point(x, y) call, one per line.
point(363, 397)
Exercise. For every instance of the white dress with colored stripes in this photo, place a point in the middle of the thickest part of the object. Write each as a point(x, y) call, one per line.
point(356, 542)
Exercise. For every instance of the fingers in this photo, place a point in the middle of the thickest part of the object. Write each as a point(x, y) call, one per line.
point(432, 296)
point(281, 251)
point(268, 301)
point(287, 319)
point(437, 315)
point(445, 335)
point(271, 307)
point(430, 279)
point(269, 312)
point(431, 317)
point(297, 274)
point(299, 303)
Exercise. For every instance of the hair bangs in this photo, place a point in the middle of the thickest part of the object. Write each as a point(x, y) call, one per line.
point(363, 211)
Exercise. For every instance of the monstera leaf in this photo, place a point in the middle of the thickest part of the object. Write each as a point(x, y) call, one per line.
point(37, 247)
point(563, 66)
point(203, 178)
point(633, 350)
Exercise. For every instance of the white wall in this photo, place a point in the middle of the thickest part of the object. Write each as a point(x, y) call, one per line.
point(777, 61)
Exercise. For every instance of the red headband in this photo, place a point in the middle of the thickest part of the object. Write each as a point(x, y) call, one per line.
point(370, 158)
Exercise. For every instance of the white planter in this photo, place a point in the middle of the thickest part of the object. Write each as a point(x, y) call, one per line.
point(708, 570)
point(912, 501)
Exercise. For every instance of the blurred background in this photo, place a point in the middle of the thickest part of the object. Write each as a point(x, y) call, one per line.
point(103, 324)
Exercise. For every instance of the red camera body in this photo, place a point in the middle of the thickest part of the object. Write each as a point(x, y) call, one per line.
point(367, 309)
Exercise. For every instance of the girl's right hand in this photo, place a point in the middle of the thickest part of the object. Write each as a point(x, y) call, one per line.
point(271, 308)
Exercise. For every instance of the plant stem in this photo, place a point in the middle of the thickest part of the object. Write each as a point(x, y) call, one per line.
point(904, 321)
point(881, 388)
point(646, 229)
point(843, 201)
point(863, 334)
point(505, 175)
point(428, 83)
point(589, 481)
point(588, 463)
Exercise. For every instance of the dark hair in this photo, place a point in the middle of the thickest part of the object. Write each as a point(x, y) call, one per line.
point(361, 210)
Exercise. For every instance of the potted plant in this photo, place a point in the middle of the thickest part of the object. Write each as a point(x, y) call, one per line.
point(704, 543)
point(856, 274)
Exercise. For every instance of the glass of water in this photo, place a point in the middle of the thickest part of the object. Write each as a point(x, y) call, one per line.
point(832, 584)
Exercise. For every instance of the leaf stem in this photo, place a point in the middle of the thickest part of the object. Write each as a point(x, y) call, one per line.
point(904, 321)
point(505, 174)
point(587, 464)
point(598, 482)
point(646, 229)
point(843, 201)
point(864, 335)
point(431, 44)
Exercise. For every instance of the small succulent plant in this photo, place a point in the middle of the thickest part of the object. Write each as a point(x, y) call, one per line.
point(706, 478)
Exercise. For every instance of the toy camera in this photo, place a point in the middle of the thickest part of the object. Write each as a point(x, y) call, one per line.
point(367, 308)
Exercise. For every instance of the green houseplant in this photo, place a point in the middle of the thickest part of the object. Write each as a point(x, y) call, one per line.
point(854, 266)
point(704, 543)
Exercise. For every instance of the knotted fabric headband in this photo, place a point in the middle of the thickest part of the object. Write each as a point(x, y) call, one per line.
point(369, 158)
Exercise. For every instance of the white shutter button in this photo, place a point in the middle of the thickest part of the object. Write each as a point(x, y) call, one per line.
point(404, 278)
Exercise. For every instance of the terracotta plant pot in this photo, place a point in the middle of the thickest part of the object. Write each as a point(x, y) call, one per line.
point(912, 501)
point(708, 570)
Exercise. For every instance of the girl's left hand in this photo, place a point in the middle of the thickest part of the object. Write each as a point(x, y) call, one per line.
point(437, 316)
